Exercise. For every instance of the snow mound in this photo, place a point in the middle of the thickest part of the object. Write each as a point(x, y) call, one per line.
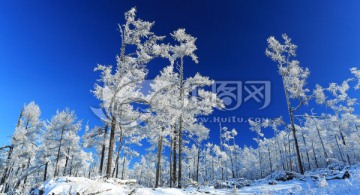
point(80, 185)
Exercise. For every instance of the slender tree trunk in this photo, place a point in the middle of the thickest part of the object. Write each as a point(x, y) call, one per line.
point(45, 171)
point(307, 152)
point(171, 153)
point(205, 167)
point(123, 168)
point(301, 168)
point(270, 159)
point(260, 167)
point(291, 168)
point(119, 151)
point(198, 163)
point(212, 168)
point(322, 145)
point(316, 161)
point(71, 165)
point(341, 155)
point(66, 161)
point(181, 119)
point(280, 153)
point(103, 150)
point(58, 153)
point(158, 167)
point(174, 159)
point(293, 129)
point(180, 154)
point(111, 146)
point(5, 173)
point(343, 140)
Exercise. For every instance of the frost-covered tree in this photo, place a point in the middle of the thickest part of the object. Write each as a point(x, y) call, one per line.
point(61, 137)
point(294, 81)
point(21, 154)
point(118, 90)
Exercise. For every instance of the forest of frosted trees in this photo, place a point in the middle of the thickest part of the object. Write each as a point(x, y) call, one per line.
point(166, 118)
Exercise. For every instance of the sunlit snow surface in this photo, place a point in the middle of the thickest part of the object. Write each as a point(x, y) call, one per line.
point(74, 185)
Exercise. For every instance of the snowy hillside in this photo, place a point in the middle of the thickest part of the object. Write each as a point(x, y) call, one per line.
point(312, 183)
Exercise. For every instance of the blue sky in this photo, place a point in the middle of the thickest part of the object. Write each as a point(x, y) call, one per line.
point(48, 49)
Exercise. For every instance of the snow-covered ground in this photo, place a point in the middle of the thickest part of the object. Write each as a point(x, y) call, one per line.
point(304, 185)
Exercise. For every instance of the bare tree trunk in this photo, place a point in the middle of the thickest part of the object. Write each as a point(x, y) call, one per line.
point(180, 154)
point(45, 171)
point(111, 146)
point(307, 152)
point(198, 163)
point(322, 145)
point(118, 152)
point(280, 152)
point(212, 168)
point(58, 153)
point(103, 150)
point(71, 165)
point(159, 159)
point(341, 155)
point(343, 140)
point(260, 167)
point(301, 168)
point(270, 159)
point(6, 170)
point(174, 159)
point(291, 168)
point(123, 168)
point(316, 161)
point(171, 153)
point(66, 161)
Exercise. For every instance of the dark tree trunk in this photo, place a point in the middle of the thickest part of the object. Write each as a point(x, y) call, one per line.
point(170, 171)
point(123, 168)
point(158, 167)
point(103, 150)
point(6, 170)
point(316, 161)
point(307, 152)
point(180, 153)
point(174, 159)
point(119, 151)
point(270, 159)
point(45, 171)
point(58, 153)
point(322, 145)
point(66, 161)
point(111, 146)
point(198, 164)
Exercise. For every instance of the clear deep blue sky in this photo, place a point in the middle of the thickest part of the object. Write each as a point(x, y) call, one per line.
point(48, 49)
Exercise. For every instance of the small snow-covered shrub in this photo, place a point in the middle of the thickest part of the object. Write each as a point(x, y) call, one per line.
point(322, 183)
